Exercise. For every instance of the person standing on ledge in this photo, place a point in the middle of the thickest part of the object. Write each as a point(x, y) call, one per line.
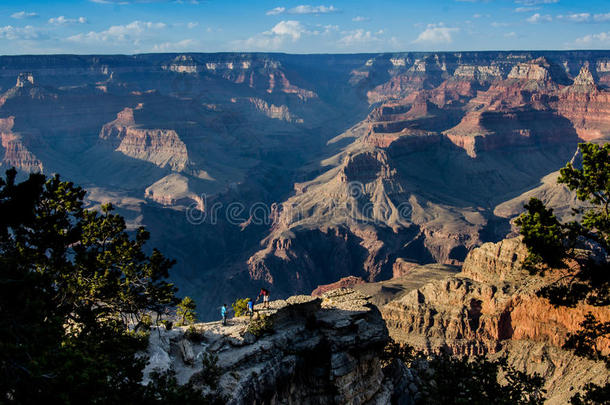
point(250, 308)
point(223, 312)
point(265, 294)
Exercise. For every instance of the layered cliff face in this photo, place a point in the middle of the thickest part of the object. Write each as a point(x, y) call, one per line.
point(492, 307)
point(257, 168)
point(320, 351)
point(162, 147)
point(16, 153)
point(450, 144)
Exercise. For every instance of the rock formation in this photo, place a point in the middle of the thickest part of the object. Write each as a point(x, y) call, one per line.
point(162, 147)
point(367, 159)
point(492, 307)
point(321, 351)
point(16, 153)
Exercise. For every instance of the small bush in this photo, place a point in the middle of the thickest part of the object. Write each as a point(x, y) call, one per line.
point(167, 323)
point(186, 311)
point(210, 372)
point(240, 306)
point(193, 335)
point(145, 323)
point(261, 325)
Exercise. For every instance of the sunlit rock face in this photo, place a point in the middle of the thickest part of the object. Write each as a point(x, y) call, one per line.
point(491, 307)
point(318, 351)
point(294, 171)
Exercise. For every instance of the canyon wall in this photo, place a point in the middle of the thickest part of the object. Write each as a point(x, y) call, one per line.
point(320, 351)
point(491, 307)
point(255, 169)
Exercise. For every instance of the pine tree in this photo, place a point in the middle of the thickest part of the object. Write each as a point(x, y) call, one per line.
point(73, 284)
point(186, 311)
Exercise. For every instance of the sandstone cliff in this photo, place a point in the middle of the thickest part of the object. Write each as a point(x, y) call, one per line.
point(365, 159)
point(492, 307)
point(321, 351)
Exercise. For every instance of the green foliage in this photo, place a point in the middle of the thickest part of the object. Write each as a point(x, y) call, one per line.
point(210, 372)
point(260, 326)
point(167, 324)
point(395, 351)
point(552, 244)
point(592, 184)
point(240, 306)
point(186, 311)
point(584, 341)
point(164, 389)
point(145, 322)
point(543, 235)
point(447, 379)
point(72, 282)
point(193, 335)
point(593, 395)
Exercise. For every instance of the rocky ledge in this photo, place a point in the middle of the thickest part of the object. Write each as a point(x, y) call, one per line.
point(317, 350)
point(491, 307)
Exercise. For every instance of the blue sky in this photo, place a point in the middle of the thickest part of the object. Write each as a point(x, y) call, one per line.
point(137, 26)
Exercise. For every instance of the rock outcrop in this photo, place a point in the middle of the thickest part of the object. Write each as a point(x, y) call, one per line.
point(368, 158)
point(492, 307)
point(163, 147)
point(16, 153)
point(320, 351)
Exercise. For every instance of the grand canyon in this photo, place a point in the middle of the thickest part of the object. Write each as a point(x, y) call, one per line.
point(374, 195)
point(294, 171)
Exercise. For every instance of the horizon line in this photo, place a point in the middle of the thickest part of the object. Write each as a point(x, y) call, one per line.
point(301, 54)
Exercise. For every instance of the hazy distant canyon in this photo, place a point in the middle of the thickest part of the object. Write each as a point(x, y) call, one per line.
point(293, 171)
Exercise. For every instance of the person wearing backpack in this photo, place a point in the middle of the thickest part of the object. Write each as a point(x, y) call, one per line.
point(265, 294)
point(250, 308)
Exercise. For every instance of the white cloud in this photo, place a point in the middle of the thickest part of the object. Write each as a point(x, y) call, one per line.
point(510, 35)
point(360, 19)
point(538, 18)
point(327, 29)
point(192, 25)
point(593, 40)
point(601, 17)
point(585, 17)
point(303, 9)
point(290, 28)
point(131, 32)
point(281, 33)
point(575, 17)
point(360, 37)
point(313, 10)
point(21, 15)
point(437, 33)
point(17, 33)
point(535, 2)
point(276, 11)
point(179, 46)
point(526, 9)
point(497, 24)
point(61, 20)
point(109, 1)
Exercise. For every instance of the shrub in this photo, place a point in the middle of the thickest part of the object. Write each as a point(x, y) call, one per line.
point(186, 311)
point(210, 371)
point(193, 335)
point(145, 323)
point(259, 326)
point(240, 306)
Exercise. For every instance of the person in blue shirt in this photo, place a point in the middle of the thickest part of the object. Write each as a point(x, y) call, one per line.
point(223, 312)
point(250, 308)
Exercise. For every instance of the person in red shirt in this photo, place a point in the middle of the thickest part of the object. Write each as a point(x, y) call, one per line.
point(265, 294)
